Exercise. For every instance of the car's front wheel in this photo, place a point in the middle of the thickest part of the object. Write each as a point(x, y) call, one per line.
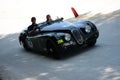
point(53, 50)
point(91, 42)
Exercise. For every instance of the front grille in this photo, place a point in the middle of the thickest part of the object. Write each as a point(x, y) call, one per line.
point(83, 30)
point(77, 36)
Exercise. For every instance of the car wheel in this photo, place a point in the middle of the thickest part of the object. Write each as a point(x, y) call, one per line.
point(53, 50)
point(91, 43)
point(25, 45)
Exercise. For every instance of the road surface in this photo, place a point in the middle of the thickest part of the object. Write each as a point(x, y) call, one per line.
point(101, 62)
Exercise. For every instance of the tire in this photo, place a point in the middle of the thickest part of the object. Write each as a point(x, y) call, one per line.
point(91, 43)
point(53, 50)
point(25, 45)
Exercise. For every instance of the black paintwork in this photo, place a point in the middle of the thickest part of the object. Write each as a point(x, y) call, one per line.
point(51, 38)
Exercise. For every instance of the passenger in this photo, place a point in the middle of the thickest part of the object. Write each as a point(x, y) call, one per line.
point(31, 29)
point(48, 19)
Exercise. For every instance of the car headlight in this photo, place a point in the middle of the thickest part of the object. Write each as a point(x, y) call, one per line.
point(67, 37)
point(88, 28)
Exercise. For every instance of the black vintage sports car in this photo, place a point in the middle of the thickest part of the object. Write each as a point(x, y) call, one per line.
point(60, 36)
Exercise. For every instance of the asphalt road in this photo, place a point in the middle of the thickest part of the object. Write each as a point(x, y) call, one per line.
point(101, 62)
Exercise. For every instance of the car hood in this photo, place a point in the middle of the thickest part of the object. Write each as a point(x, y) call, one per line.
point(63, 25)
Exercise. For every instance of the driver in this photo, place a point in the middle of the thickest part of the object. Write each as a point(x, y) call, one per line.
point(49, 19)
point(31, 29)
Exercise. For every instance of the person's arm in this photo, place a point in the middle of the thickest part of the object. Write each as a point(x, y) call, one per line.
point(36, 28)
point(30, 29)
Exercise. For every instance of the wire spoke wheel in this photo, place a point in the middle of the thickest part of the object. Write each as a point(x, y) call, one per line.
point(25, 45)
point(52, 50)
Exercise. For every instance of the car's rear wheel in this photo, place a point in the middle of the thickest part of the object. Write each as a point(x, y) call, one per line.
point(25, 45)
point(53, 50)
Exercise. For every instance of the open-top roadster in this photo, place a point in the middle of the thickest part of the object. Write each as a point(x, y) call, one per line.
point(60, 36)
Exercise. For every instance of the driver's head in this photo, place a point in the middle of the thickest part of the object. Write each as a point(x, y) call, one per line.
point(33, 20)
